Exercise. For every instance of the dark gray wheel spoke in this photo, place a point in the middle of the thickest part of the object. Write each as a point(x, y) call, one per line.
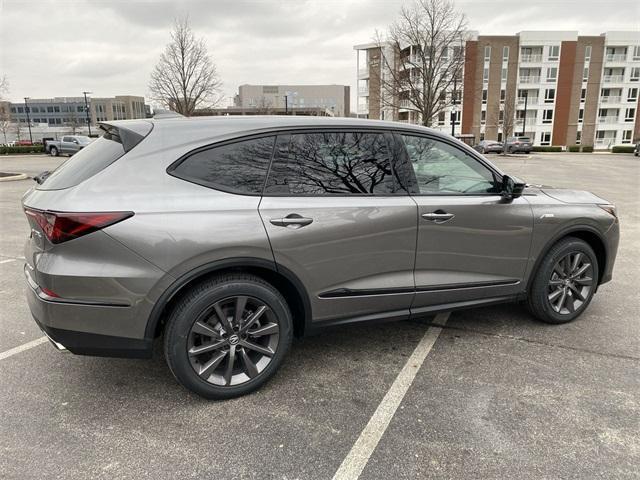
point(208, 368)
point(555, 281)
point(554, 295)
point(570, 304)
point(204, 329)
point(207, 347)
point(249, 367)
point(563, 298)
point(577, 293)
point(257, 348)
point(241, 303)
point(582, 269)
point(268, 329)
point(222, 317)
point(584, 281)
point(559, 270)
point(228, 373)
point(253, 318)
point(576, 262)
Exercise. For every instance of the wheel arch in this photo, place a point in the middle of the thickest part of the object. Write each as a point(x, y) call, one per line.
point(588, 234)
point(285, 281)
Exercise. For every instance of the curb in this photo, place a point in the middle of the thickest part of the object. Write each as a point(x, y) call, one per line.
point(12, 177)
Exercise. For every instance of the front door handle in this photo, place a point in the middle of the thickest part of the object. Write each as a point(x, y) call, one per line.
point(438, 216)
point(293, 220)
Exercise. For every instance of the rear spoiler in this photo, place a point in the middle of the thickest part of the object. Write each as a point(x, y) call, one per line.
point(129, 134)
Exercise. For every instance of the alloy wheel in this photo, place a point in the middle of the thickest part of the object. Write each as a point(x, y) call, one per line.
point(571, 283)
point(233, 341)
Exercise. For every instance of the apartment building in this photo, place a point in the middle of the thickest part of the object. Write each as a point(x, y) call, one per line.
point(333, 98)
point(120, 107)
point(559, 88)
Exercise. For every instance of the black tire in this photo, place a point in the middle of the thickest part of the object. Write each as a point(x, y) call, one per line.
point(202, 298)
point(549, 280)
point(53, 151)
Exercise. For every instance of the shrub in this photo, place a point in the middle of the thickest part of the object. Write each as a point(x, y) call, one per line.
point(587, 149)
point(623, 149)
point(574, 148)
point(22, 149)
point(546, 149)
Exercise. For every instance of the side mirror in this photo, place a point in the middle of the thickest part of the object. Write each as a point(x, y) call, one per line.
point(511, 187)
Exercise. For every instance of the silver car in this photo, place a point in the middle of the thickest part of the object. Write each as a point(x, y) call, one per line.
point(228, 236)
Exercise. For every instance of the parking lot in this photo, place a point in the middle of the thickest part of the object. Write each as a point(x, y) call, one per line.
point(499, 395)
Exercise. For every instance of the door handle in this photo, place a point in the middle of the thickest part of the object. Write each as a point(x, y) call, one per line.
point(293, 220)
point(438, 216)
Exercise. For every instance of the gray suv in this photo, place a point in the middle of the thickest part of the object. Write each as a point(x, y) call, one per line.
point(227, 237)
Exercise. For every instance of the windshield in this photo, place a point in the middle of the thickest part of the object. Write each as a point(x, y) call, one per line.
point(83, 139)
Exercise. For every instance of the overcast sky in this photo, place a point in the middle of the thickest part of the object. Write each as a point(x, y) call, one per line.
point(60, 48)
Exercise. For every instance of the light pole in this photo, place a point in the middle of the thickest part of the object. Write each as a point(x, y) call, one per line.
point(26, 109)
point(524, 118)
point(454, 108)
point(86, 110)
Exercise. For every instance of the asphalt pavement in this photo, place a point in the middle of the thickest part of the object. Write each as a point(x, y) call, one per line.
point(498, 395)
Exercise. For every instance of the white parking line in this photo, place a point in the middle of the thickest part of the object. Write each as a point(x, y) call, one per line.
point(8, 260)
point(22, 348)
point(355, 461)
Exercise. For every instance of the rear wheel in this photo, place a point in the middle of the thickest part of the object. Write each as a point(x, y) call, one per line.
point(565, 282)
point(53, 151)
point(228, 336)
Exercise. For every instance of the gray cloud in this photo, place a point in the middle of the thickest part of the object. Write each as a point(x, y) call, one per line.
point(61, 48)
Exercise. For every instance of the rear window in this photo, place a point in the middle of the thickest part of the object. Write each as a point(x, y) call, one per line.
point(97, 156)
point(239, 167)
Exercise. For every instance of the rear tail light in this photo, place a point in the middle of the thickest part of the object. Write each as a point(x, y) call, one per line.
point(62, 226)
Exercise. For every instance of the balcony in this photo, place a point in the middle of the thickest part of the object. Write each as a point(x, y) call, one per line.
point(610, 99)
point(616, 57)
point(605, 142)
point(363, 91)
point(608, 119)
point(530, 79)
point(530, 100)
point(363, 72)
point(613, 78)
point(531, 58)
point(405, 104)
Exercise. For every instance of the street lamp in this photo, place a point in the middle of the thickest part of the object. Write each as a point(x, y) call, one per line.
point(86, 110)
point(26, 109)
point(454, 116)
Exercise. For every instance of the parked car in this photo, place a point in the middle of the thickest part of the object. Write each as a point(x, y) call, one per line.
point(518, 144)
point(228, 236)
point(489, 146)
point(69, 145)
point(23, 143)
point(636, 150)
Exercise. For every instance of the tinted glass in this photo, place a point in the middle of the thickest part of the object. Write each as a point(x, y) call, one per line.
point(84, 164)
point(332, 163)
point(441, 168)
point(238, 167)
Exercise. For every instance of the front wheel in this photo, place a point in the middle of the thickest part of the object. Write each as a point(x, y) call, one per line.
point(53, 151)
point(565, 282)
point(227, 336)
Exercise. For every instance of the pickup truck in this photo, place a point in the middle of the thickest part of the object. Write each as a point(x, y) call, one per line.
point(69, 144)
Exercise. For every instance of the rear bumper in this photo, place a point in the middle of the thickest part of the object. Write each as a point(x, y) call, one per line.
point(53, 316)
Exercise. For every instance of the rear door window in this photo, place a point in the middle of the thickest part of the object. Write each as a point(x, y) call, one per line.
point(332, 163)
point(239, 167)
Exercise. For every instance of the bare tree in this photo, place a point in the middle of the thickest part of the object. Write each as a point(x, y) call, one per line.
point(264, 106)
point(185, 77)
point(506, 116)
point(424, 58)
point(74, 122)
point(5, 115)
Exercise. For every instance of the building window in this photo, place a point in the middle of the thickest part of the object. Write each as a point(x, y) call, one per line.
point(585, 74)
point(583, 95)
point(554, 52)
point(632, 94)
point(587, 53)
point(503, 95)
point(630, 114)
point(504, 75)
point(50, 109)
point(580, 115)
point(56, 109)
point(547, 116)
point(505, 54)
point(635, 74)
point(484, 97)
point(13, 109)
point(483, 117)
point(627, 135)
point(578, 137)
point(636, 53)
point(485, 75)
point(79, 109)
point(545, 138)
point(487, 53)
point(481, 136)
point(441, 116)
point(549, 95)
point(552, 74)
point(501, 117)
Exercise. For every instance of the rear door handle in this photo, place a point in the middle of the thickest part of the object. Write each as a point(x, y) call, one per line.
point(293, 220)
point(438, 217)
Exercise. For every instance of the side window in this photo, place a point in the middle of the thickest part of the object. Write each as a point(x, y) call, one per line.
point(239, 167)
point(332, 163)
point(443, 169)
point(66, 139)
